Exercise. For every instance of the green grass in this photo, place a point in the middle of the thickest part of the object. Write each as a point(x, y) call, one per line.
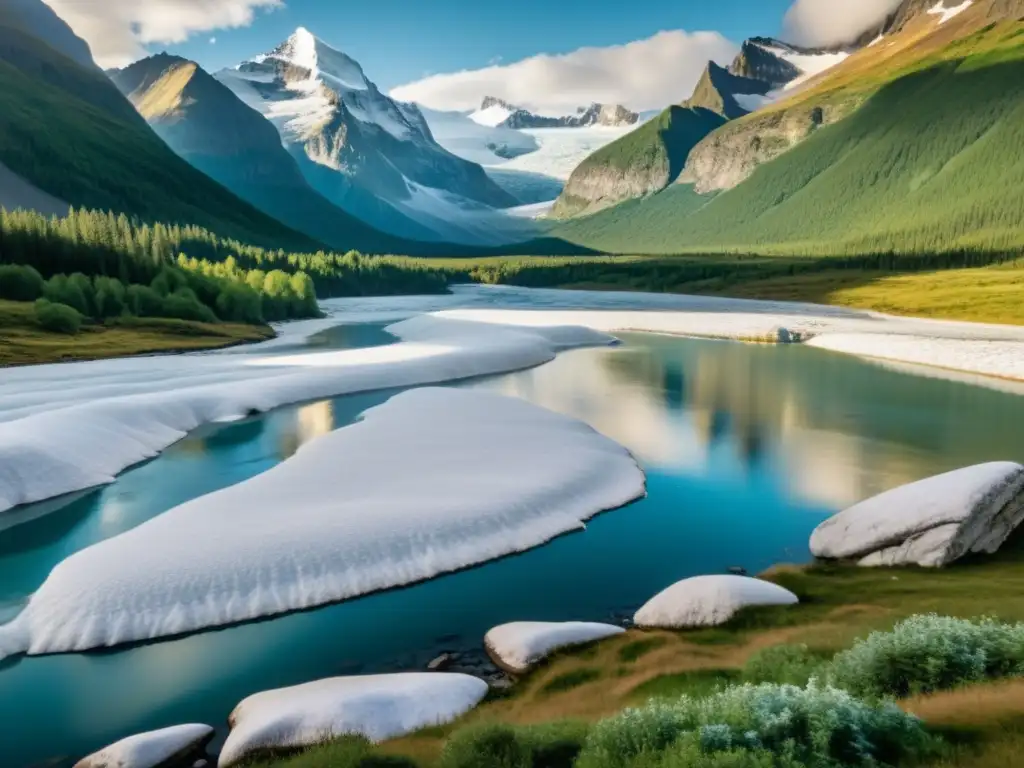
point(572, 679)
point(640, 648)
point(23, 342)
point(699, 682)
point(71, 133)
point(932, 161)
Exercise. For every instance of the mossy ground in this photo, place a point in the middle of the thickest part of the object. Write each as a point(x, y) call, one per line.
point(23, 342)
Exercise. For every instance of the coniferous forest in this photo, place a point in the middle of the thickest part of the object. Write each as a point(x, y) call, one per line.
point(102, 265)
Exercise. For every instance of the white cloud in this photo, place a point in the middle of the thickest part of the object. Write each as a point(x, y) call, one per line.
point(645, 74)
point(118, 30)
point(833, 22)
point(213, 41)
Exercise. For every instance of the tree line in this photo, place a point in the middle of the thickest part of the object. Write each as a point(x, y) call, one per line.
point(104, 265)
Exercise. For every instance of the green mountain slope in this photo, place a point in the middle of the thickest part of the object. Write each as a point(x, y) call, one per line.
point(208, 125)
point(67, 130)
point(932, 162)
point(637, 164)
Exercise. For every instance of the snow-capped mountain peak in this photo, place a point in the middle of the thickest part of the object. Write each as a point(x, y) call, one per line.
point(304, 51)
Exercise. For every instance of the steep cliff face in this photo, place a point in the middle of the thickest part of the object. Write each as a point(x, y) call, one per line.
point(756, 62)
point(638, 164)
point(728, 156)
point(718, 90)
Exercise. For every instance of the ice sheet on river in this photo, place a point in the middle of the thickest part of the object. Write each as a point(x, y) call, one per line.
point(432, 481)
point(65, 428)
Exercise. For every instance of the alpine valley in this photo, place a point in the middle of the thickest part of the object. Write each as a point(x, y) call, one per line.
point(543, 385)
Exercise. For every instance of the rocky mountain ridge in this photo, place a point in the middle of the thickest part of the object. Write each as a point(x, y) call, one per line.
point(362, 150)
point(507, 115)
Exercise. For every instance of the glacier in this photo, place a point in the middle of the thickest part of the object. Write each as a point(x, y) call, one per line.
point(377, 707)
point(432, 481)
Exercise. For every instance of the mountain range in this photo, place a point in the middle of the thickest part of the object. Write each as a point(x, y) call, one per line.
point(913, 143)
point(908, 137)
point(498, 113)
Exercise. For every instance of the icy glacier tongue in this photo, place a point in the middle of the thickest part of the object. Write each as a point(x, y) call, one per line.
point(432, 481)
point(932, 522)
point(378, 707)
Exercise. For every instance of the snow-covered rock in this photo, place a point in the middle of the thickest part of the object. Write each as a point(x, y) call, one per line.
point(706, 601)
point(378, 707)
point(154, 749)
point(932, 522)
point(518, 646)
point(432, 481)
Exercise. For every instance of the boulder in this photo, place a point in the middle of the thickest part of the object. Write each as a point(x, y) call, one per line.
point(377, 707)
point(932, 522)
point(180, 745)
point(707, 601)
point(519, 646)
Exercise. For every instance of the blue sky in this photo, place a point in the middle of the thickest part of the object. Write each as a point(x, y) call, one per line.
point(398, 41)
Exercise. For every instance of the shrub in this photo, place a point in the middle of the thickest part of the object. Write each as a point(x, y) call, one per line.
point(110, 297)
point(783, 664)
point(819, 726)
point(61, 289)
point(552, 745)
point(20, 283)
point(182, 304)
point(930, 653)
point(57, 318)
point(143, 301)
point(346, 752)
point(485, 746)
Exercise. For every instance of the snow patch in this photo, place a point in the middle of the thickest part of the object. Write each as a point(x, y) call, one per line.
point(931, 522)
point(378, 707)
point(945, 14)
point(478, 143)
point(752, 102)
point(150, 749)
point(810, 64)
point(520, 645)
point(432, 481)
point(707, 601)
point(491, 117)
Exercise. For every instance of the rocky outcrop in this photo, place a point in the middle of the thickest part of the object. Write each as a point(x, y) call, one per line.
point(180, 746)
point(729, 155)
point(521, 645)
point(718, 88)
point(638, 164)
point(754, 62)
point(930, 523)
point(707, 601)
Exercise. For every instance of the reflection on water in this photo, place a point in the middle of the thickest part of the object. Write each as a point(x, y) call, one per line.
point(746, 448)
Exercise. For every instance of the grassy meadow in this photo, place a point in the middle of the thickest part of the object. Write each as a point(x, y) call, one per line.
point(24, 342)
point(981, 725)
